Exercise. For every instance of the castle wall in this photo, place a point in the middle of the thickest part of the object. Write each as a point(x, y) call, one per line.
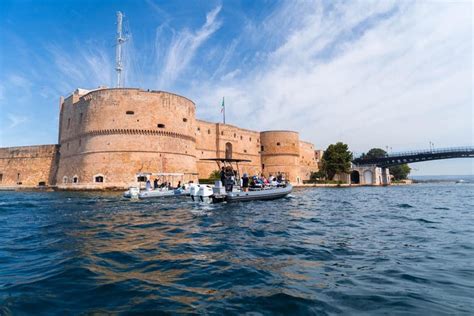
point(307, 160)
point(28, 166)
point(280, 152)
point(212, 139)
point(117, 133)
point(109, 136)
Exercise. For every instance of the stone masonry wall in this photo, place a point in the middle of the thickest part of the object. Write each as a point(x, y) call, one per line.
point(280, 153)
point(28, 166)
point(115, 134)
point(118, 133)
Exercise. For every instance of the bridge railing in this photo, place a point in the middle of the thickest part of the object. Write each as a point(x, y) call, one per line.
point(466, 149)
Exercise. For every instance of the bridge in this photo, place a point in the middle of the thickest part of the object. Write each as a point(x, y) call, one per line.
point(375, 171)
point(393, 159)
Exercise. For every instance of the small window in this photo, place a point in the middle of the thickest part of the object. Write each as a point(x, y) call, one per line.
point(129, 112)
point(75, 179)
point(235, 135)
point(80, 118)
point(278, 144)
point(250, 139)
point(263, 166)
point(209, 131)
point(222, 133)
point(245, 150)
point(99, 179)
point(41, 184)
point(185, 119)
point(68, 122)
point(161, 125)
point(241, 137)
point(262, 148)
point(141, 179)
point(1, 177)
point(199, 128)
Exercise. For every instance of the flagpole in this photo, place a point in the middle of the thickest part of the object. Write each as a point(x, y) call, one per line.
point(223, 104)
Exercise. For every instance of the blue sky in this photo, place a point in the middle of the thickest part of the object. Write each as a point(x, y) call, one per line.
point(368, 73)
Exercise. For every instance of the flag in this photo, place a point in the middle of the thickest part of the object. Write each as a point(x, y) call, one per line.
point(223, 105)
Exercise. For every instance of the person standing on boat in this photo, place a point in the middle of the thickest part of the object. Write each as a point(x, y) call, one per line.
point(223, 176)
point(155, 184)
point(229, 173)
point(245, 182)
point(148, 185)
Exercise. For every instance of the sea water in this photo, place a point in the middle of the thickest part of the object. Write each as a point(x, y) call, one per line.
point(365, 250)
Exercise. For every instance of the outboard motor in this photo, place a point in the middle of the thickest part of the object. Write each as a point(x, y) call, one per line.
point(204, 194)
point(134, 192)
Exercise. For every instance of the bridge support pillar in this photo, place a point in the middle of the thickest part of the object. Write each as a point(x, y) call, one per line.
point(385, 176)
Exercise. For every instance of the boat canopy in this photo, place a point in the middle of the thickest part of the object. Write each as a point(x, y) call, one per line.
point(226, 160)
point(159, 174)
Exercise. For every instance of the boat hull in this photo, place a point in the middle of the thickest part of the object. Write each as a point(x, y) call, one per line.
point(269, 194)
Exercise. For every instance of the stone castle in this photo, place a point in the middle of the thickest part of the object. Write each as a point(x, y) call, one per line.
point(107, 137)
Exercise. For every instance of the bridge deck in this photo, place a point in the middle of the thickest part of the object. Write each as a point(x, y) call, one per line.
point(394, 159)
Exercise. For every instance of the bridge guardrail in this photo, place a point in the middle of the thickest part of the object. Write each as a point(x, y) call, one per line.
point(425, 151)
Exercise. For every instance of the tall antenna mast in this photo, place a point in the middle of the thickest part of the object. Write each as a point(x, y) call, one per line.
point(118, 50)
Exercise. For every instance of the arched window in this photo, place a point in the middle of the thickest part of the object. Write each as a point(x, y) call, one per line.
point(228, 151)
point(75, 179)
point(99, 178)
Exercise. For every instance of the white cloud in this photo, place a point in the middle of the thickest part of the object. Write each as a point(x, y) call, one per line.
point(367, 73)
point(15, 120)
point(183, 47)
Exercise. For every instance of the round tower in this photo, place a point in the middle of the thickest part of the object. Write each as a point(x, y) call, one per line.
point(280, 153)
point(108, 136)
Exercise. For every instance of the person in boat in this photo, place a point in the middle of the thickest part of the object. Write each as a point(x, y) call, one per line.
point(245, 182)
point(270, 178)
point(155, 184)
point(229, 173)
point(148, 185)
point(179, 185)
point(222, 174)
point(279, 177)
point(274, 182)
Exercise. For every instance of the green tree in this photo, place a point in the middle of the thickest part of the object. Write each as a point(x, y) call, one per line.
point(215, 175)
point(318, 175)
point(400, 172)
point(375, 153)
point(336, 158)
